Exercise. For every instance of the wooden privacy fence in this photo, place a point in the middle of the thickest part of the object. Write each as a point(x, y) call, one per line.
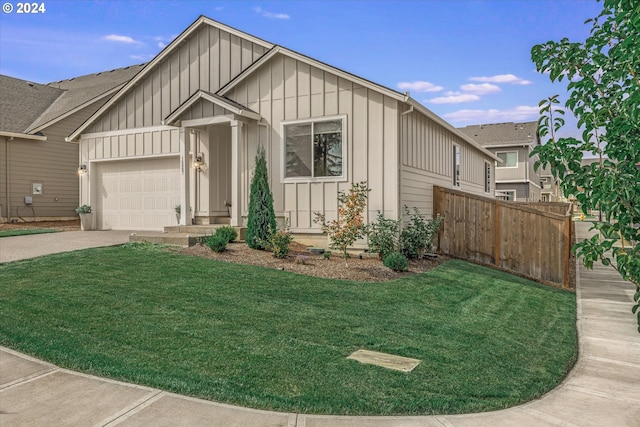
point(511, 236)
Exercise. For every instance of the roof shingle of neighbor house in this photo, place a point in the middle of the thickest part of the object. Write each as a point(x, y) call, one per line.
point(502, 133)
point(27, 106)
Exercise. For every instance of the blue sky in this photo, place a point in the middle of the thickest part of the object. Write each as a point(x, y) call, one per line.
point(466, 60)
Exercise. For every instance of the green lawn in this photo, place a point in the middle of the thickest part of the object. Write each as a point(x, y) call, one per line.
point(265, 338)
point(23, 232)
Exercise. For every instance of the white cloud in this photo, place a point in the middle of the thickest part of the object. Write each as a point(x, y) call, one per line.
point(454, 98)
point(480, 89)
point(120, 39)
point(270, 15)
point(502, 78)
point(145, 57)
point(161, 45)
point(520, 113)
point(419, 86)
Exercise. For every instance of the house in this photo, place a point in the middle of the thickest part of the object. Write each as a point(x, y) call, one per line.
point(38, 179)
point(185, 130)
point(516, 178)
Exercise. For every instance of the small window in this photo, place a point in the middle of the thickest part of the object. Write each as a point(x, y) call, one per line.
point(314, 149)
point(487, 177)
point(509, 195)
point(456, 166)
point(509, 159)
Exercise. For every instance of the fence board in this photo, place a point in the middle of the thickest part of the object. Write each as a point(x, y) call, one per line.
point(512, 236)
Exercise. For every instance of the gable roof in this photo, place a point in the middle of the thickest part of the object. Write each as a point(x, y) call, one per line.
point(202, 20)
point(223, 102)
point(22, 102)
point(503, 134)
point(315, 63)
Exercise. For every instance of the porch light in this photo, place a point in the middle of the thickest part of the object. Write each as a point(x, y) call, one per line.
point(199, 164)
point(82, 169)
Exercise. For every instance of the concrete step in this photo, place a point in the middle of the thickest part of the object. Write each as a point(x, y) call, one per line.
point(203, 230)
point(208, 220)
point(170, 238)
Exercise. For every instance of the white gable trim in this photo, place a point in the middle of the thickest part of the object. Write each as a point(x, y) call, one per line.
point(440, 121)
point(317, 64)
point(214, 99)
point(202, 20)
point(13, 135)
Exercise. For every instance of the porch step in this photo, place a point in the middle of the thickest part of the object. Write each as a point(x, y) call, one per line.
point(203, 230)
point(211, 220)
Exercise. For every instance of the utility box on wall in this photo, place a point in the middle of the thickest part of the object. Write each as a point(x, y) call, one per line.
point(28, 200)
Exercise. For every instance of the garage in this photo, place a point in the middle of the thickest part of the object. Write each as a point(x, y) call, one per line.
point(137, 194)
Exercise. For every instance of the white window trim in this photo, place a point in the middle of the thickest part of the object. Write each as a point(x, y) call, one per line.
point(283, 151)
point(508, 167)
point(487, 183)
point(456, 180)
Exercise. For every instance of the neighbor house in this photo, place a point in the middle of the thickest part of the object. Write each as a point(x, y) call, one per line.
point(38, 179)
point(516, 178)
point(185, 130)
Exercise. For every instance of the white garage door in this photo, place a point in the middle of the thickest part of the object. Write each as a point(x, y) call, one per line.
point(137, 195)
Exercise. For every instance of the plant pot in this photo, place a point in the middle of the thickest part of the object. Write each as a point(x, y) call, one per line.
point(86, 221)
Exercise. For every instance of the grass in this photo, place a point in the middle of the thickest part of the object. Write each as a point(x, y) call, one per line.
point(24, 232)
point(265, 338)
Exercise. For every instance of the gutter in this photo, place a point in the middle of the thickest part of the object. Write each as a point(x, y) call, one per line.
point(12, 135)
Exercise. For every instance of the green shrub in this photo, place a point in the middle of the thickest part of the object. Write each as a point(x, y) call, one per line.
point(396, 261)
point(384, 235)
point(228, 232)
point(279, 241)
point(418, 236)
point(217, 242)
point(261, 218)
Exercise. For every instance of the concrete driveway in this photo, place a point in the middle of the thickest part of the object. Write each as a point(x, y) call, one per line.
point(34, 245)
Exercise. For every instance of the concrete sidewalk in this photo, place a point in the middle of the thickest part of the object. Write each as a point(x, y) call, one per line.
point(602, 390)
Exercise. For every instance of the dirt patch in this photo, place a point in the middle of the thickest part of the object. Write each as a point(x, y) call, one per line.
point(73, 225)
point(301, 261)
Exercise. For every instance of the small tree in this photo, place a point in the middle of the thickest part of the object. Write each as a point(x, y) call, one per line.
point(604, 95)
point(349, 227)
point(262, 218)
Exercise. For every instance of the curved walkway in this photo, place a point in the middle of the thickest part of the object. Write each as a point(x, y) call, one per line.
point(603, 389)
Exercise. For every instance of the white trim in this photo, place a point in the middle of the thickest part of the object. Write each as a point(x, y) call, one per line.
point(283, 151)
point(508, 145)
point(14, 135)
point(123, 132)
point(214, 99)
point(124, 159)
point(216, 120)
point(507, 152)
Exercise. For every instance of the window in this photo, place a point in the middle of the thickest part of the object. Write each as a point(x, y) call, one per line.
point(487, 177)
point(509, 159)
point(314, 149)
point(456, 166)
point(509, 195)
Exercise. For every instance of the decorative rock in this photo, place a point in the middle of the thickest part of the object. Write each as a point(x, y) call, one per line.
point(316, 251)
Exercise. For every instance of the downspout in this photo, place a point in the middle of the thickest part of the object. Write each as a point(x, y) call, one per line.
point(8, 175)
point(400, 143)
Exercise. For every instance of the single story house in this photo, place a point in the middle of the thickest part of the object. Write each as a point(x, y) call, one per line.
point(185, 130)
point(516, 178)
point(38, 179)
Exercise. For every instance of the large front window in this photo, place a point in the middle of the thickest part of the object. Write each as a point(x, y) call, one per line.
point(314, 149)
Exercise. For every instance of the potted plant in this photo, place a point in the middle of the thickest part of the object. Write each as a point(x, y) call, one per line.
point(86, 217)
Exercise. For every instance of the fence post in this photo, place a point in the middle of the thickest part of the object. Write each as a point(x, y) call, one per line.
point(567, 249)
point(496, 233)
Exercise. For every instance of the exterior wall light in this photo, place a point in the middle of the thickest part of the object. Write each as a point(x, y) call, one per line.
point(199, 164)
point(82, 169)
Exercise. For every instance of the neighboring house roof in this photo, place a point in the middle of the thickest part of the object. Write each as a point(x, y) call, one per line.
point(22, 102)
point(497, 135)
point(27, 108)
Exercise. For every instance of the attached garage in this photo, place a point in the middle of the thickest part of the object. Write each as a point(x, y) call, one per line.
point(136, 194)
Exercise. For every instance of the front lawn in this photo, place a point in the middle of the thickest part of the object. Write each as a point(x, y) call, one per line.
point(265, 338)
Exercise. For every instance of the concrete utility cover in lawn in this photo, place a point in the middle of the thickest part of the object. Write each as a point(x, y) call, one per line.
point(389, 361)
